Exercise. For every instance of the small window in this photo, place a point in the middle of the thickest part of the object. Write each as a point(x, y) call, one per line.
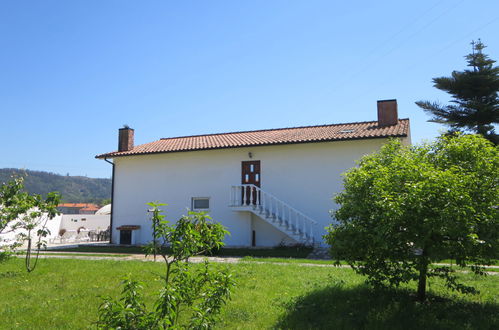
point(200, 203)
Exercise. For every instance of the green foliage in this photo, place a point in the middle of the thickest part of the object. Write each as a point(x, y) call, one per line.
point(475, 99)
point(105, 201)
point(192, 235)
point(405, 207)
point(27, 214)
point(199, 293)
point(75, 189)
point(129, 312)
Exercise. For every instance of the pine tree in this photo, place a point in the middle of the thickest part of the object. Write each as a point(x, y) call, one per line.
point(475, 101)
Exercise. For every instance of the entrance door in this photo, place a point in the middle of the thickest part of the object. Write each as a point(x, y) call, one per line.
point(250, 175)
point(126, 237)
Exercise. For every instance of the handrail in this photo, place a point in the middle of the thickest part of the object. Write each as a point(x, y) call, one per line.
point(282, 202)
point(256, 197)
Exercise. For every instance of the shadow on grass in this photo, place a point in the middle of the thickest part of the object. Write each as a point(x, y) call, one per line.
point(276, 252)
point(365, 308)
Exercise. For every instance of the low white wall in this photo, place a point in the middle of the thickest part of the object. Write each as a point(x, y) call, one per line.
point(89, 221)
point(52, 225)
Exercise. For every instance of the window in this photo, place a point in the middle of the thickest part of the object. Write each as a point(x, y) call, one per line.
point(200, 203)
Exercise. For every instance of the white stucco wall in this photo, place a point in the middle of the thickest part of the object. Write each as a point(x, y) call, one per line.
point(268, 235)
point(9, 237)
point(89, 221)
point(306, 176)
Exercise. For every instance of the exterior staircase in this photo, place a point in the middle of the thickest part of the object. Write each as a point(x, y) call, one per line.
point(295, 224)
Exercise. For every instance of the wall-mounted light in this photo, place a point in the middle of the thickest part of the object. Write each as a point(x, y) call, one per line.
point(250, 154)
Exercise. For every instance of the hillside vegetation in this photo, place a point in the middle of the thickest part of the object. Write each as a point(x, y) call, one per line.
point(72, 188)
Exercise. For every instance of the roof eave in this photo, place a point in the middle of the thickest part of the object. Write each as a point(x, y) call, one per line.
point(117, 154)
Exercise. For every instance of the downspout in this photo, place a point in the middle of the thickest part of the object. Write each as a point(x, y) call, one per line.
point(112, 204)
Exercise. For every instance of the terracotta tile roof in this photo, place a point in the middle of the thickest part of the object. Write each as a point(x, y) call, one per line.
point(90, 208)
point(305, 134)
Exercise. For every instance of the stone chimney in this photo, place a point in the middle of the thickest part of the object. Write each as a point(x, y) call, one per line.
point(125, 139)
point(387, 113)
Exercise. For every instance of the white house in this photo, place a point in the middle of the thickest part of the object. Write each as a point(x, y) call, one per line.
point(267, 187)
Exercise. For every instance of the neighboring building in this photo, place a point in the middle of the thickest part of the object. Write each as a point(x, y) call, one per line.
point(78, 208)
point(268, 187)
point(90, 209)
point(105, 210)
point(68, 228)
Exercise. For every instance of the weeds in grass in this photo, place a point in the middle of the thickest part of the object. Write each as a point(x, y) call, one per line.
point(9, 274)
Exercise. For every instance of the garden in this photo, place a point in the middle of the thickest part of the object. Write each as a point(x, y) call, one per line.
point(66, 294)
point(415, 246)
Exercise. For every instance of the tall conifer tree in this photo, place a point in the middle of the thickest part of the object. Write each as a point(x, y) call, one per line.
point(475, 103)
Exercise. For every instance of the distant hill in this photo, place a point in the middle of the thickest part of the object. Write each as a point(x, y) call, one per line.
point(72, 188)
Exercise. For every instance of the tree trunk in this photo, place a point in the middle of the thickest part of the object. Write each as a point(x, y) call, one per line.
point(423, 271)
point(422, 283)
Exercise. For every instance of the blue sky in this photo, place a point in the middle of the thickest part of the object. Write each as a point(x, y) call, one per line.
point(73, 72)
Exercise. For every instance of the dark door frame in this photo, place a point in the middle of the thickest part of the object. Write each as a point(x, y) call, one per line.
point(251, 174)
point(126, 233)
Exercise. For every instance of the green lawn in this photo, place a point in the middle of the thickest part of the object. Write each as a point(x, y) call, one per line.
point(78, 254)
point(277, 252)
point(63, 294)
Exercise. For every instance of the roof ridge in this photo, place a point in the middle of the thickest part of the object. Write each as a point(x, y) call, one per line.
point(298, 134)
point(272, 129)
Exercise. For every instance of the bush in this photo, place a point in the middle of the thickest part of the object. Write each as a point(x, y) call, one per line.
point(198, 293)
point(406, 207)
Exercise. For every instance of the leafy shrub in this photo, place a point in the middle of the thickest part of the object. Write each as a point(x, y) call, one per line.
point(406, 207)
point(28, 214)
point(198, 292)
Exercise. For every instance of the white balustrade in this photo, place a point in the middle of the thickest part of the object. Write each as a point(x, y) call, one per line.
point(253, 198)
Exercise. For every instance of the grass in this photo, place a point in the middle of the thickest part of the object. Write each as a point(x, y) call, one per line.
point(102, 249)
point(277, 252)
point(364, 308)
point(289, 260)
point(330, 262)
point(450, 261)
point(64, 294)
point(76, 254)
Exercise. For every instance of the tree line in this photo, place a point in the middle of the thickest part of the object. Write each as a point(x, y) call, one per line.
point(74, 189)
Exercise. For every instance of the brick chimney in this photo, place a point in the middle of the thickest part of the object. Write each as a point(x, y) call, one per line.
point(125, 139)
point(387, 112)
